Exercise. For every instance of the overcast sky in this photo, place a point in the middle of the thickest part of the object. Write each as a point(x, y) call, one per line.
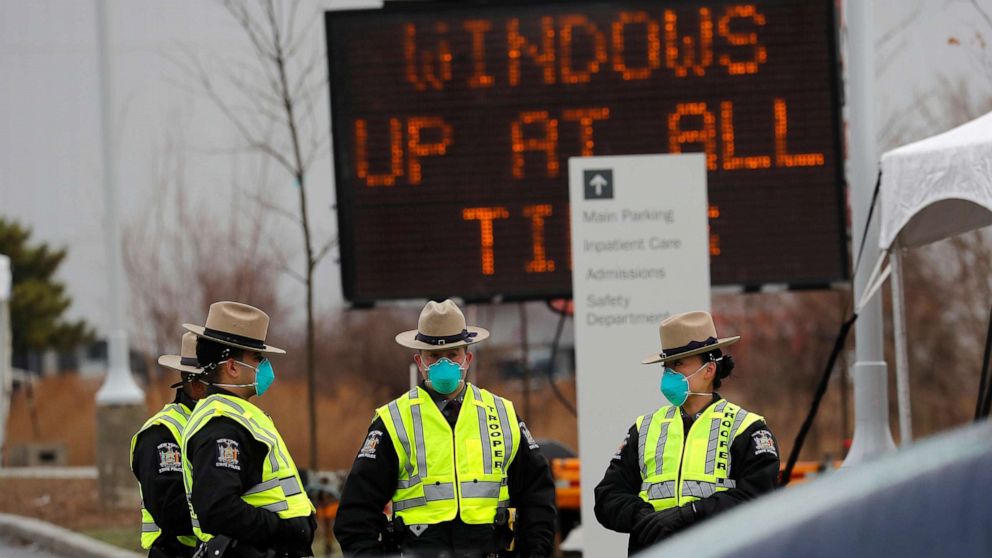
point(50, 169)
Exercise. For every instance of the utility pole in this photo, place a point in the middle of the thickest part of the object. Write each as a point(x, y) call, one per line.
point(120, 402)
point(872, 435)
point(6, 382)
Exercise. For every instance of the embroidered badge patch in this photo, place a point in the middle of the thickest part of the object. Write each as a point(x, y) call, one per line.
point(228, 454)
point(530, 439)
point(170, 460)
point(764, 443)
point(371, 445)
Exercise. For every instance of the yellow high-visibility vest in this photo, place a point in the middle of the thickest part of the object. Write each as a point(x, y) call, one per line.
point(173, 416)
point(677, 468)
point(281, 490)
point(447, 473)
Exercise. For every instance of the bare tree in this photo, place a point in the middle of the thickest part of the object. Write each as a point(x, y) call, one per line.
point(181, 252)
point(271, 103)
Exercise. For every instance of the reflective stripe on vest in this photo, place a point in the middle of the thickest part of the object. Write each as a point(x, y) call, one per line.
point(173, 417)
point(444, 473)
point(678, 468)
point(281, 490)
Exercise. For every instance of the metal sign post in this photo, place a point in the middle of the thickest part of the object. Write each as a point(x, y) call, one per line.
point(640, 253)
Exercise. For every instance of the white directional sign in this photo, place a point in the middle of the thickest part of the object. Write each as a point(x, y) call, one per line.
point(640, 253)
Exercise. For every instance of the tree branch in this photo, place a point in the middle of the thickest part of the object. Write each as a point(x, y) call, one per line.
point(985, 15)
point(323, 251)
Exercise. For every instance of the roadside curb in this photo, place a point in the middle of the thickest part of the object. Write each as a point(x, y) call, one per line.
point(57, 540)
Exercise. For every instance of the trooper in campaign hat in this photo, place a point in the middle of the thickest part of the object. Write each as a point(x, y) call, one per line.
point(156, 461)
point(694, 457)
point(245, 493)
point(453, 458)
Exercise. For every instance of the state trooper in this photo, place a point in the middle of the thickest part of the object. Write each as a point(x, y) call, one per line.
point(452, 457)
point(244, 490)
point(691, 459)
point(157, 464)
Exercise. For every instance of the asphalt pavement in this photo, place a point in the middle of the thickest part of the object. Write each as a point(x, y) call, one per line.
point(26, 537)
point(9, 549)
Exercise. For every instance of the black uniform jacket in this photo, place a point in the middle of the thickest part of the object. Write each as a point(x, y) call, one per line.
point(753, 465)
point(221, 478)
point(372, 482)
point(162, 484)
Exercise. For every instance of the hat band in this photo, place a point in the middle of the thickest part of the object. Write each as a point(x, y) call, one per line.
point(440, 340)
point(693, 345)
point(189, 361)
point(233, 338)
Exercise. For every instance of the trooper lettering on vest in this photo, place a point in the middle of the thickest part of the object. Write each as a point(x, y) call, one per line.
point(692, 458)
point(701, 460)
point(452, 463)
point(495, 435)
point(439, 481)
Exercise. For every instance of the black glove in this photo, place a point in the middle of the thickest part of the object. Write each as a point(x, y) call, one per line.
point(658, 526)
point(295, 535)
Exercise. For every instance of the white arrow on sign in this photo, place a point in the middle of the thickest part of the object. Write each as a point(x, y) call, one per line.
point(598, 182)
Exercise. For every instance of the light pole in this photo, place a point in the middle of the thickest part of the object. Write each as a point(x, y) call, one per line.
point(120, 402)
point(872, 435)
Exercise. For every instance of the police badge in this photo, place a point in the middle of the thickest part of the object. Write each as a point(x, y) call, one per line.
point(764, 443)
point(169, 458)
point(371, 444)
point(228, 453)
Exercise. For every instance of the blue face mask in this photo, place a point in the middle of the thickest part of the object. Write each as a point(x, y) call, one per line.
point(444, 376)
point(264, 376)
point(675, 386)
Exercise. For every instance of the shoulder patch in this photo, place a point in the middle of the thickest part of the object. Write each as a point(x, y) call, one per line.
point(371, 445)
point(169, 458)
point(764, 443)
point(228, 454)
point(532, 444)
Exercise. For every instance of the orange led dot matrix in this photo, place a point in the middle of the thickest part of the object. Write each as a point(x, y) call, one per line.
point(618, 42)
point(485, 216)
point(681, 54)
point(518, 45)
point(416, 149)
point(782, 156)
point(705, 135)
point(537, 214)
point(548, 143)
point(585, 118)
point(568, 25)
point(760, 53)
point(396, 154)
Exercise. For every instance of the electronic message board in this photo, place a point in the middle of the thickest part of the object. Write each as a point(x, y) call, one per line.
point(453, 123)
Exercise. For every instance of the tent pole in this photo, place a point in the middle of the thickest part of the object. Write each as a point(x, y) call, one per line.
point(902, 356)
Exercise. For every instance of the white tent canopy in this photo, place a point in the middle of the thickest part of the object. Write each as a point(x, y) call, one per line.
point(937, 187)
point(930, 190)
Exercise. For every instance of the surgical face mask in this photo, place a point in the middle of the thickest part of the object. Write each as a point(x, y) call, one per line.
point(264, 376)
point(675, 386)
point(445, 376)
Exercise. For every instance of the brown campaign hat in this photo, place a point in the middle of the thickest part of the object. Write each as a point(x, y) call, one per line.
point(236, 325)
point(688, 334)
point(441, 326)
point(185, 361)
